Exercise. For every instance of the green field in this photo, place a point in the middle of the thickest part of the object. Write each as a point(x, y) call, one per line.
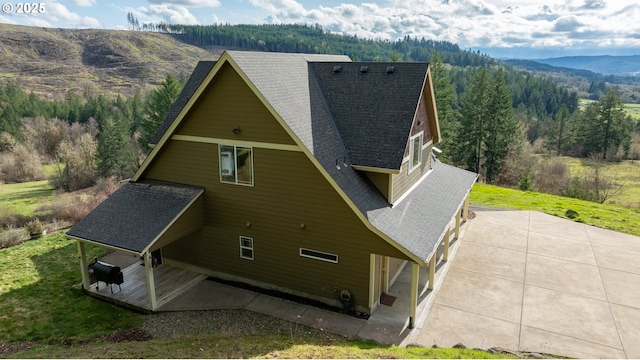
point(633, 110)
point(24, 198)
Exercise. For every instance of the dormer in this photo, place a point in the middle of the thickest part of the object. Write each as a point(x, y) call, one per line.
point(386, 115)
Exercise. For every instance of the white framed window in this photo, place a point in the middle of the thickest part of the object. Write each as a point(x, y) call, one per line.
point(319, 255)
point(415, 151)
point(236, 164)
point(246, 247)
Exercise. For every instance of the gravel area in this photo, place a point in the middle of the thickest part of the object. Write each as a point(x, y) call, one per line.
point(237, 321)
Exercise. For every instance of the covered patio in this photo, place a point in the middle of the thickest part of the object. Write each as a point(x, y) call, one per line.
point(139, 219)
point(169, 283)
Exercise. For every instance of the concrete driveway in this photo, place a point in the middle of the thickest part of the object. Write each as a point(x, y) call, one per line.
point(529, 281)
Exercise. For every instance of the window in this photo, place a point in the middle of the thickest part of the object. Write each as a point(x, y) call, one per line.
point(236, 165)
point(415, 151)
point(246, 247)
point(319, 255)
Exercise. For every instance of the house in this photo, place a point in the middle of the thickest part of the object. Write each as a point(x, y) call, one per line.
point(307, 174)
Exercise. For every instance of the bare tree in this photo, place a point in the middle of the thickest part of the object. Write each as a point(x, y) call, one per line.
point(602, 186)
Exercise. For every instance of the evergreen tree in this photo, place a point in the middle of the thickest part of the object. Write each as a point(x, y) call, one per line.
point(157, 105)
point(604, 126)
point(475, 107)
point(489, 130)
point(10, 121)
point(502, 130)
point(559, 137)
point(116, 154)
point(446, 100)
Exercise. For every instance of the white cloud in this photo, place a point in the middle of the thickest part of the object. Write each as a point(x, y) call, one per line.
point(85, 3)
point(474, 23)
point(58, 15)
point(187, 3)
point(167, 13)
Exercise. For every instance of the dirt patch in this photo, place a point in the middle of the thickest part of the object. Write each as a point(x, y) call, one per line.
point(14, 347)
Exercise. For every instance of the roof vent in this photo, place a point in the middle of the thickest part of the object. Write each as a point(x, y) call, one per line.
point(391, 69)
point(337, 69)
point(364, 69)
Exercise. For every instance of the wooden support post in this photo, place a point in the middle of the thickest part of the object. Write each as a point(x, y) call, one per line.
point(458, 215)
point(151, 284)
point(84, 266)
point(466, 209)
point(413, 303)
point(445, 254)
point(432, 271)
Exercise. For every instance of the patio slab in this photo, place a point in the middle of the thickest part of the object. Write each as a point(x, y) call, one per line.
point(570, 315)
point(492, 261)
point(617, 258)
point(541, 341)
point(562, 248)
point(565, 276)
point(578, 297)
point(627, 319)
point(481, 294)
point(623, 288)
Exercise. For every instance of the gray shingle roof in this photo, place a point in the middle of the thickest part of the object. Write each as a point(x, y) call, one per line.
point(375, 106)
point(419, 221)
point(135, 214)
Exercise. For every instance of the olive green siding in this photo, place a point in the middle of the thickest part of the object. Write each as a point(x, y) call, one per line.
point(381, 181)
point(229, 103)
point(288, 192)
point(291, 204)
point(404, 180)
point(192, 218)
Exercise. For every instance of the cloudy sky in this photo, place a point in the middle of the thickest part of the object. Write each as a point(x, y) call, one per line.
point(500, 28)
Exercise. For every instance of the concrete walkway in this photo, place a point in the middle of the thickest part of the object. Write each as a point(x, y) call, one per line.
point(529, 281)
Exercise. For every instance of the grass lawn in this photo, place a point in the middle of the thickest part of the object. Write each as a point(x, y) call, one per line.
point(612, 217)
point(39, 300)
point(24, 198)
point(256, 346)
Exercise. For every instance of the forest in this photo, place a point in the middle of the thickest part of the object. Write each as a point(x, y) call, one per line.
point(495, 119)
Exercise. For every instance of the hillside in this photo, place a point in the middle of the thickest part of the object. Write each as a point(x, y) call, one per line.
point(603, 64)
point(50, 62)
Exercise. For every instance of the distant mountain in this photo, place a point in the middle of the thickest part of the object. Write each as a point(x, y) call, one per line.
point(603, 64)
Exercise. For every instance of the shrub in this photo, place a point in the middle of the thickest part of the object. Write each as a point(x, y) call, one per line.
point(21, 164)
point(551, 177)
point(35, 226)
point(72, 207)
point(13, 237)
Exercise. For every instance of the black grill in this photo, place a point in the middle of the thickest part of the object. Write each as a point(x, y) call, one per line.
point(107, 273)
